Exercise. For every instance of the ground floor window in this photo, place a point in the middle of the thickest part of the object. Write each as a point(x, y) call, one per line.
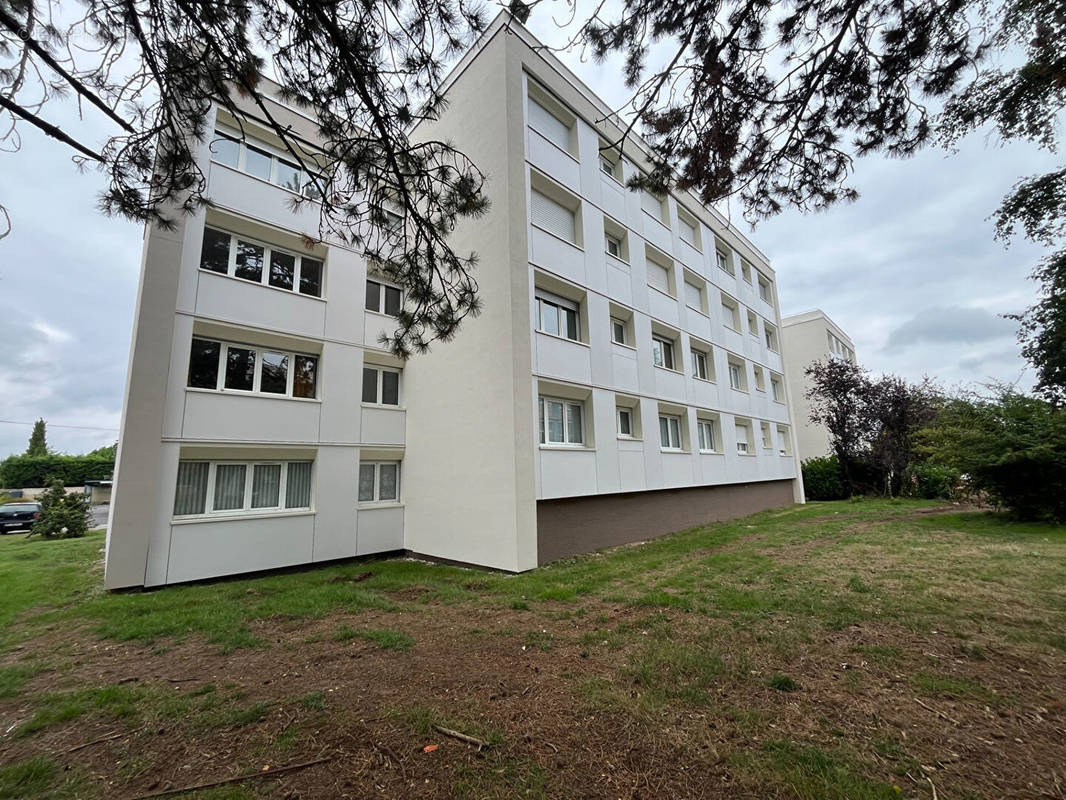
point(379, 481)
point(226, 487)
point(561, 421)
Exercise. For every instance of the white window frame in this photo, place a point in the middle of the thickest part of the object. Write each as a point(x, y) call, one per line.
point(673, 421)
point(546, 302)
point(701, 292)
point(307, 186)
point(767, 435)
point(740, 373)
point(786, 440)
point(744, 443)
point(777, 389)
point(705, 433)
point(659, 355)
point(249, 473)
point(377, 501)
point(684, 223)
point(630, 413)
point(381, 386)
point(699, 357)
point(753, 329)
point(264, 278)
point(745, 270)
point(760, 377)
point(765, 290)
point(621, 323)
point(770, 337)
point(383, 284)
point(257, 377)
point(608, 240)
point(723, 261)
point(542, 411)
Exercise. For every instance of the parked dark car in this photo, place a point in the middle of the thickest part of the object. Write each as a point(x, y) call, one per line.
point(18, 516)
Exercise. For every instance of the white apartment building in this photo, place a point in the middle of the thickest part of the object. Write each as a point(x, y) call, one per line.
point(806, 338)
point(624, 380)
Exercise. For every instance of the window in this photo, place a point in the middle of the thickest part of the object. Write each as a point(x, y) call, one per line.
point(694, 293)
point(764, 289)
point(784, 440)
point(744, 442)
point(737, 375)
point(258, 160)
point(216, 487)
point(689, 229)
point(618, 331)
point(557, 316)
point(653, 206)
point(243, 368)
point(242, 258)
point(659, 277)
point(670, 432)
point(561, 421)
point(383, 298)
point(662, 352)
point(379, 481)
point(724, 262)
point(610, 165)
point(553, 216)
point(730, 313)
point(381, 386)
point(767, 439)
point(699, 365)
point(776, 389)
point(625, 423)
point(549, 125)
point(770, 335)
point(612, 245)
point(745, 270)
point(753, 324)
point(760, 377)
point(708, 440)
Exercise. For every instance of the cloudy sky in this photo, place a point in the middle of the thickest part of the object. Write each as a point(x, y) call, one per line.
point(910, 271)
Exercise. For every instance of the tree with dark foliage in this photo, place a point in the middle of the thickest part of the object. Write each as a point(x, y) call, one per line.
point(897, 410)
point(839, 396)
point(38, 445)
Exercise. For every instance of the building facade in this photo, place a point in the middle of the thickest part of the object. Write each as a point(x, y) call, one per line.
point(624, 379)
point(806, 338)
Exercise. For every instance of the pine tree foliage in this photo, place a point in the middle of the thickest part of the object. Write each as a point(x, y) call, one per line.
point(38, 445)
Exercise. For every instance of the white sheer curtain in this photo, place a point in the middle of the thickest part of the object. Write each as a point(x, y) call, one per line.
point(298, 485)
point(229, 486)
point(191, 495)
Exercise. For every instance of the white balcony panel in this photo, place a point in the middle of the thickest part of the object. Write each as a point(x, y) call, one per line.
point(677, 469)
point(561, 358)
point(255, 305)
point(335, 474)
point(552, 161)
point(232, 416)
point(556, 255)
point(705, 394)
point(663, 307)
point(631, 466)
point(619, 282)
point(383, 425)
point(222, 546)
point(261, 200)
point(625, 374)
point(698, 324)
point(567, 472)
point(614, 198)
point(380, 530)
point(669, 384)
point(749, 468)
point(711, 469)
point(374, 325)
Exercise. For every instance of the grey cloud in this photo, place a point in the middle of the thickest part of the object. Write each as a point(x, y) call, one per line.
point(949, 325)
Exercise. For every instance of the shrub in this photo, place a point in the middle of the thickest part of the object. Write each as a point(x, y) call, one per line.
point(63, 515)
point(822, 480)
point(931, 481)
point(18, 472)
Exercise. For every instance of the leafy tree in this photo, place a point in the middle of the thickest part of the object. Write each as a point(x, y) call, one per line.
point(1011, 447)
point(108, 451)
point(897, 410)
point(839, 396)
point(38, 444)
point(63, 515)
point(821, 479)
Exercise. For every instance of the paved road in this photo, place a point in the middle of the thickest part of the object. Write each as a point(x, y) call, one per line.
point(100, 516)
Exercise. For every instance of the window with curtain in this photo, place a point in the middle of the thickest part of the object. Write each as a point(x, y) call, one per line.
point(379, 481)
point(562, 421)
point(705, 428)
point(670, 432)
point(662, 352)
point(553, 216)
point(209, 487)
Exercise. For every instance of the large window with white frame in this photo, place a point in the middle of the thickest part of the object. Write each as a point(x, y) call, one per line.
point(702, 364)
point(619, 332)
point(670, 432)
point(233, 487)
point(562, 422)
point(258, 159)
point(384, 298)
point(242, 257)
point(379, 482)
point(738, 378)
point(776, 388)
point(227, 366)
point(626, 426)
point(381, 385)
point(708, 435)
point(662, 352)
point(557, 315)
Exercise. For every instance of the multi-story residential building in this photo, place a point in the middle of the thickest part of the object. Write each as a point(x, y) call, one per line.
point(623, 381)
point(808, 337)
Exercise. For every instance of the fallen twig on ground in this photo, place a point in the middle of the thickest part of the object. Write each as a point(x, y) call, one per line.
point(938, 713)
point(462, 737)
point(106, 738)
point(266, 773)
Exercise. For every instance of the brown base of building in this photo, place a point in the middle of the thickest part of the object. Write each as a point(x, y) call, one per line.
point(574, 525)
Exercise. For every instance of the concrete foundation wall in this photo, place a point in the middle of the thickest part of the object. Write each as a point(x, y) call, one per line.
point(576, 525)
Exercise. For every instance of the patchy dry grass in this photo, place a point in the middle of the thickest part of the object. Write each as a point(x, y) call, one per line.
point(839, 650)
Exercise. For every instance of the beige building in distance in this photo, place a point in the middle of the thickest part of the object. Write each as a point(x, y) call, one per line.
point(624, 380)
point(808, 337)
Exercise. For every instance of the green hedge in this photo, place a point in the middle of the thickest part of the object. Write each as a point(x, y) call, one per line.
point(20, 472)
point(821, 479)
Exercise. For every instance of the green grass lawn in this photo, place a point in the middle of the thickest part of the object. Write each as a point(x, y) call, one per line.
point(734, 623)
